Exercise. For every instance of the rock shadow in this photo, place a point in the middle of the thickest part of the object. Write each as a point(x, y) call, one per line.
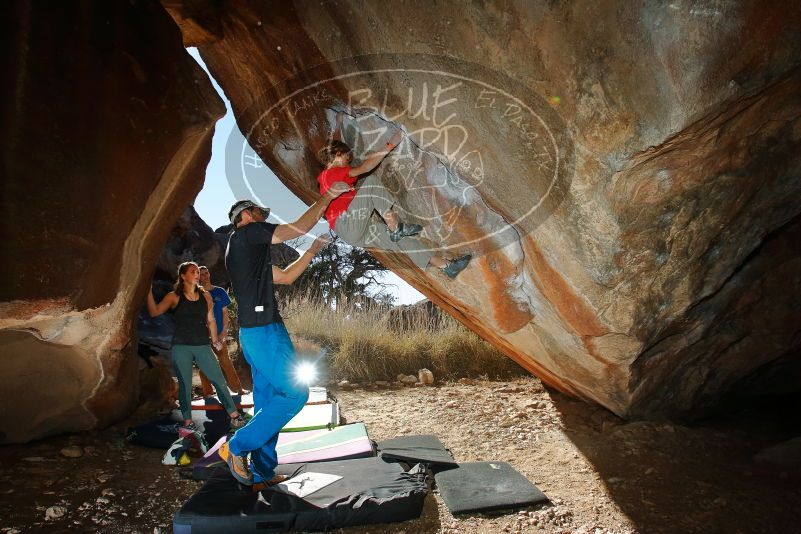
point(667, 477)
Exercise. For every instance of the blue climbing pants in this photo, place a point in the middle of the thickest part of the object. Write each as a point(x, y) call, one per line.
point(277, 397)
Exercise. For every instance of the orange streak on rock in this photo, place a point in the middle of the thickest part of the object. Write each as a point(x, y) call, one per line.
point(439, 295)
point(570, 307)
point(496, 270)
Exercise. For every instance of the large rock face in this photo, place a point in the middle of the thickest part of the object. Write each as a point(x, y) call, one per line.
point(106, 128)
point(191, 239)
point(627, 174)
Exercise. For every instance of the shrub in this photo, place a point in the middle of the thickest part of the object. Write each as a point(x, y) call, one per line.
point(363, 346)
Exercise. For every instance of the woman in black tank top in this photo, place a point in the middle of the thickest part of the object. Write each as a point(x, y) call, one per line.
point(195, 327)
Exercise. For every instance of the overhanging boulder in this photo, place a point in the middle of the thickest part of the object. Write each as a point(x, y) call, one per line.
point(626, 175)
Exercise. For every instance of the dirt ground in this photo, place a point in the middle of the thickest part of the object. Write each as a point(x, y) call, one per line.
point(601, 474)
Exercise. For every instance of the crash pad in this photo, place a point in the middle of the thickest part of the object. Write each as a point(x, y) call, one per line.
point(313, 416)
point(160, 433)
point(362, 491)
point(426, 449)
point(203, 468)
point(318, 395)
point(484, 486)
point(340, 443)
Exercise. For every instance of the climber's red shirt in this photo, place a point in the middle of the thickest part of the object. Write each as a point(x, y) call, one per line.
point(340, 204)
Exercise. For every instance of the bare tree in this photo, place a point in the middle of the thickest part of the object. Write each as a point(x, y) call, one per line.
point(341, 273)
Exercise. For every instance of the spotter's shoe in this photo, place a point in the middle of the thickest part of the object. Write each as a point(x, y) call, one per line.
point(240, 420)
point(237, 464)
point(404, 230)
point(456, 266)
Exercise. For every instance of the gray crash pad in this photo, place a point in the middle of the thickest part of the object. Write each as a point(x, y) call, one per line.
point(485, 486)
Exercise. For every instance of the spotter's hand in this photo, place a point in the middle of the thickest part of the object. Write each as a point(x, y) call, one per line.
point(337, 188)
point(319, 243)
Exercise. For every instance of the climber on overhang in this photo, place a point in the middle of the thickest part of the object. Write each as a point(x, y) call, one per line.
point(350, 215)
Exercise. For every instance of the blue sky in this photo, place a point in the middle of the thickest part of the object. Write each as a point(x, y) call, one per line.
point(216, 197)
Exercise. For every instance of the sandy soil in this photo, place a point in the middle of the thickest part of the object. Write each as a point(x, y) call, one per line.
point(601, 474)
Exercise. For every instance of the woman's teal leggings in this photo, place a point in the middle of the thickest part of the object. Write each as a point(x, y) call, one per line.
point(183, 356)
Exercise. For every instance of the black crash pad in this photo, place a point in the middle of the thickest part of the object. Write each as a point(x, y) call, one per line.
point(426, 449)
point(484, 486)
point(161, 433)
point(371, 491)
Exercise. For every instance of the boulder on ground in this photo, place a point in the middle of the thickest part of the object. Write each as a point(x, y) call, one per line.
point(425, 377)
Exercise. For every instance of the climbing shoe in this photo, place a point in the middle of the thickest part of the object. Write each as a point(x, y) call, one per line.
point(237, 464)
point(277, 479)
point(404, 230)
point(456, 266)
point(240, 420)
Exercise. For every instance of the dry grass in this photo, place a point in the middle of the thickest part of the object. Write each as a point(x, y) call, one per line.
point(363, 346)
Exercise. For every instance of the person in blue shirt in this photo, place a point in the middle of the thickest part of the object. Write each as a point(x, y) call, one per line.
point(221, 302)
